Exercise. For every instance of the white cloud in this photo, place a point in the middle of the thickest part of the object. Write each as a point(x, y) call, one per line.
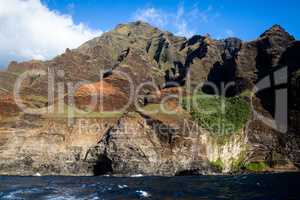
point(229, 33)
point(183, 29)
point(164, 19)
point(71, 8)
point(181, 22)
point(29, 30)
point(152, 16)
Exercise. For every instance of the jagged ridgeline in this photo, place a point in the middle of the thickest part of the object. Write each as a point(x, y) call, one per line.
point(200, 138)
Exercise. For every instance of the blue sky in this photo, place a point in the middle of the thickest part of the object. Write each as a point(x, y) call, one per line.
point(246, 19)
point(43, 29)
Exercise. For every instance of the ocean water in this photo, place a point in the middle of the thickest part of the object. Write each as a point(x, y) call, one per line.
point(284, 186)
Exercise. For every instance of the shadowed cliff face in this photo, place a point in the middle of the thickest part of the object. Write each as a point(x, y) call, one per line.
point(224, 71)
point(45, 143)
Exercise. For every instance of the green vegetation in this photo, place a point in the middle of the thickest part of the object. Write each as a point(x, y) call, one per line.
point(297, 73)
point(37, 98)
point(246, 93)
point(72, 112)
point(8, 119)
point(34, 101)
point(18, 71)
point(278, 159)
point(165, 113)
point(239, 163)
point(256, 166)
point(152, 108)
point(158, 109)
point(218, 165)
point(219, 115)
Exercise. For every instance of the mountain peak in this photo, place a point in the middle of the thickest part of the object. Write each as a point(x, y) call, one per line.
point(277, 30)
point(136, 24)
point(277, 27)
point(135, 28)
point(140, 23)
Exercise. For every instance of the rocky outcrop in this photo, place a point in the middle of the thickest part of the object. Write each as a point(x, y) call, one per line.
point(137, 141)
point(145, 149)
point(49, 146)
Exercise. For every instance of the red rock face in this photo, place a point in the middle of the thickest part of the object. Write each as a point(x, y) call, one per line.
point(21, 67)
point(107, 96)
point(96, 89)
point(8, 106)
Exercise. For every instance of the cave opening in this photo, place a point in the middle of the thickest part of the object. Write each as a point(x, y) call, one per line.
point(102, 166)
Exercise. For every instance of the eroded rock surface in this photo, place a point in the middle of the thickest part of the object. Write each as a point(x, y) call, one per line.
point(96, 144)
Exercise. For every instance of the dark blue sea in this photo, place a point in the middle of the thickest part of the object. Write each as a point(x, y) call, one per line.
point(242, 187)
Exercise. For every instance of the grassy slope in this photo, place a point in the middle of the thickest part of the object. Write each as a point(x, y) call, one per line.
point(219, 115)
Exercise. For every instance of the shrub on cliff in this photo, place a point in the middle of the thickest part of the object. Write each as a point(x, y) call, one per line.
point(220, 115)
